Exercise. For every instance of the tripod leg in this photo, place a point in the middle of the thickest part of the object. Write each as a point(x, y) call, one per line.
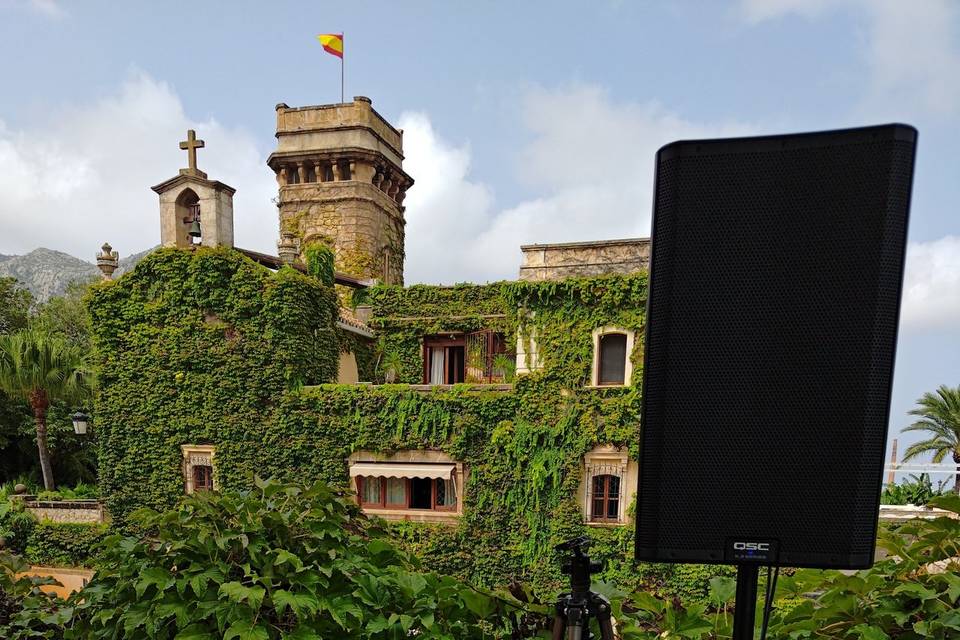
point(601, 608)
point(559, 622)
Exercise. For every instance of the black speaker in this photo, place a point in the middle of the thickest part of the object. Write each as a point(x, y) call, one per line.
point(776, 272)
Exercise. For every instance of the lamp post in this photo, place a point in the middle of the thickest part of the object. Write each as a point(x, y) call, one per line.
point(80, 423)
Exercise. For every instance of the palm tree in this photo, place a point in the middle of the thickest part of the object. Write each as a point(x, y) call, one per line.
point(939, 414)
point(42, 369)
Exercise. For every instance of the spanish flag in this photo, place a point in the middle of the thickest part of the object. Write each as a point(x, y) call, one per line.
point(332, 43)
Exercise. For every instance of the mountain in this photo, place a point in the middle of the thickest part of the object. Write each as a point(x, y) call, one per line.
point(46, 273)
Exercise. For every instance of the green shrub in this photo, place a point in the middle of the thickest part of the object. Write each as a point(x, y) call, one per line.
point(16, 526)
point(64, 544)
point(917, 490)
point(278, 561)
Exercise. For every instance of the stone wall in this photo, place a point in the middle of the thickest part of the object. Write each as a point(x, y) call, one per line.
point(72, 511)
point(564, 260)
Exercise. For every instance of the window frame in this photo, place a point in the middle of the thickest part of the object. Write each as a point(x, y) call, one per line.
point(597, 337)
point(445, 342)
point(198, 455)
point(606, 498)
point(393, 506)
point(207, 472)
point(600, 359)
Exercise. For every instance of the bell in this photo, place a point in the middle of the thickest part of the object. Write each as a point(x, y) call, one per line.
point(194, 228)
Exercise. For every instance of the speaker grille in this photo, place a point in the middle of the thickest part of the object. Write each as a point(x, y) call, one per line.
point(776, 275)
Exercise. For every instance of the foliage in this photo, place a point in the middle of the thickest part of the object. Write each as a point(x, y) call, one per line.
point(26, 611)
point(939, 415)
point(65, 316)
point(42, 369)
point(16, 526)
point(15, 302)
point(73, 459)
point(199, 347)
point(277, 561)
point(320, 262)
point(81, 491)
point(64, 544)
point(918, 490)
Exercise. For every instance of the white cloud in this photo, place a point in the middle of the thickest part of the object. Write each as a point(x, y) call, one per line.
point(47, 8)
point(931, 295)
point(83, 175)
point(912, 49)
point(591, 158)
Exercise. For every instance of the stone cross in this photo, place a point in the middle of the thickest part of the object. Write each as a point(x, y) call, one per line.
point(191, 144)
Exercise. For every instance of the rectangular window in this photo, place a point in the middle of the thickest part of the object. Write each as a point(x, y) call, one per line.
point(370, 490)
point(446, 493)
point(427, 486)
point(613, 358)
point(605, 498)
point(202, 478)
point(480, 357)
point(397, 492)
point(443, 360)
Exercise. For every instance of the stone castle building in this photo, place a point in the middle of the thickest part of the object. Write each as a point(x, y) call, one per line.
point(424, 401)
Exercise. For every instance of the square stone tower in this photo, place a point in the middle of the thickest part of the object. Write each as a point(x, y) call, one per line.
point(339, 170)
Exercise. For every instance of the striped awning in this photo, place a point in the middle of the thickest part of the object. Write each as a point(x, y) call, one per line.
point(402, 470)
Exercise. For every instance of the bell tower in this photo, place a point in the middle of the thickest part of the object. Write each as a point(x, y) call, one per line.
point(339, 171)
point(193, 209)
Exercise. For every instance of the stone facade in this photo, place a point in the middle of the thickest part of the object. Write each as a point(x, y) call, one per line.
point(340, 177)
point(568, 259)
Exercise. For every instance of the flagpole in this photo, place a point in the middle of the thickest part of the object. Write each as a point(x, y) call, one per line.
point(342, 56)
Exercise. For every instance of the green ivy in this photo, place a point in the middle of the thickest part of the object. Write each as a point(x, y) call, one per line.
point(64, 544)
point(199, 347)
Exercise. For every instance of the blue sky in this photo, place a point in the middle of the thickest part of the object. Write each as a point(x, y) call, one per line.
point(533, 121)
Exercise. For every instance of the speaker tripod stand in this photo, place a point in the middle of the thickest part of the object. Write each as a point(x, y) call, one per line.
point(574, 610)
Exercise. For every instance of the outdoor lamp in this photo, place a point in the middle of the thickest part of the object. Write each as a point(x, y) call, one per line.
point(80, 421)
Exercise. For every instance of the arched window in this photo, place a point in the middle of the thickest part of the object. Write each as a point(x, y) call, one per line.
point(605, 498)
point(613, 359)
point(188, 208)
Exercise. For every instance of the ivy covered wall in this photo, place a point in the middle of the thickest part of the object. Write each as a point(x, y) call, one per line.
point(198, 347)
point(207, 347)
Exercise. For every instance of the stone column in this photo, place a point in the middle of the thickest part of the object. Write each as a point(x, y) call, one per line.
point(336, 170)
point(353, 170)
point(302, 172)
point(282, 176)
point(107, 261)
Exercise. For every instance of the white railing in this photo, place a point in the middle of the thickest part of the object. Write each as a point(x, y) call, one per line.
point(921, 467)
